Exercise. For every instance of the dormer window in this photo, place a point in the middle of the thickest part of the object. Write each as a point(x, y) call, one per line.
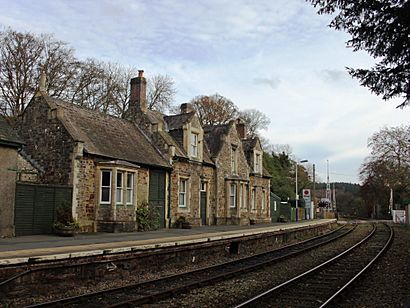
point(194, 145)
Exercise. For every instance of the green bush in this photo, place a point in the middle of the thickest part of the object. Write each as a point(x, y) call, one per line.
point(64, 217)
point(147, 218)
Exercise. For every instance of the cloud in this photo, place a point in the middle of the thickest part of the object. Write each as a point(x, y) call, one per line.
point(333, 75)
point(272, 82)
point(237, 49)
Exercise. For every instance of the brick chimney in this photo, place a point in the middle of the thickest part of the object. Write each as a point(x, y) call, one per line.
point(186, 108)
point(138, 95)
point(241, 128)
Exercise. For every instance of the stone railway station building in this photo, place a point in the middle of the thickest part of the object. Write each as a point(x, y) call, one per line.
point(208, 175)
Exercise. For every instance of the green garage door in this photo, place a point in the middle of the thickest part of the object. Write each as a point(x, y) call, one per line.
point(36, 205)
point(157, 194)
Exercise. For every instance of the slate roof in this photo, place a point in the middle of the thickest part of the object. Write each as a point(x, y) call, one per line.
point(177, 121)
point(213, 137)
point(8, 136)
point(106, 135)
point(248, 145)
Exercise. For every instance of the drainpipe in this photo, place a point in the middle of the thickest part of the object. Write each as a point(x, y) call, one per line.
point(169, 199)
point(216, 192)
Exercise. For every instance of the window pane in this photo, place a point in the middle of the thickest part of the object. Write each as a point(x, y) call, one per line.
point(130, 180)
point(119, 196)
point(105, 194)
point(106, 178)
point(129, 196)
point(119, 179)
point(182, 193)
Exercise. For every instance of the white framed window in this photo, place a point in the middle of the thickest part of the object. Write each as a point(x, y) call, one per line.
point(263, 199)
point(258, 163)
point(119, 192)
point(129, 199)
point(253, 197)
point(234, 160)
point(105, 187)
point(232, 196)
point(240, 196)
point(194, 145)
point(183, 185)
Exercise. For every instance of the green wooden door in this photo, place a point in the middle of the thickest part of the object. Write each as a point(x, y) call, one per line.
point(35, 207)
point(203, 207)
point(24, 209)
point(157, 194)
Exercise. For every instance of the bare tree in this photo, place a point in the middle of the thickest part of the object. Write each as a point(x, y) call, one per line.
point(388, 166)
point(59, 64)
point(160, 92)
point(92, 84)
point(19, 57)
point(214, 109)
point(255, 121)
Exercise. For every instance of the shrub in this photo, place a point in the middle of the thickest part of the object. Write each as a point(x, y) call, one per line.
point(147, 218)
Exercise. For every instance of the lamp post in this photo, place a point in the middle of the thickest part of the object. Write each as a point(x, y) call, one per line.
point(296, 186)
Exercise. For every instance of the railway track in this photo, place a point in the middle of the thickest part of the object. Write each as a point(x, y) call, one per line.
point(323, 285)
point(155, 290)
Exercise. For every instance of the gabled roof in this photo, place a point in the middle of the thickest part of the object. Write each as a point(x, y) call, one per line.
point(213, 137)
point(248, 146)
point(177, 121)
point(107, 136)
point(8, 136)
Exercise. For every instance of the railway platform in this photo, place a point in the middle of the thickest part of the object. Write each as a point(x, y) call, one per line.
point(34, 248)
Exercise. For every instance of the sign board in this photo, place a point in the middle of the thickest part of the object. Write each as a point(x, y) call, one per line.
point(306, 197)
point(306, 193)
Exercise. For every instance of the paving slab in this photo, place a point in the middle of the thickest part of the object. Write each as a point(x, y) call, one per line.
point(25, 249)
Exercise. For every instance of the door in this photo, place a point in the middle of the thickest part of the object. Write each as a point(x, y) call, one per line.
point(204, 202)
point(157, 195)
point(36, 205)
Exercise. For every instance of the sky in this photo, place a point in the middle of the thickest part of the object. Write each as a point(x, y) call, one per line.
point(275, 56)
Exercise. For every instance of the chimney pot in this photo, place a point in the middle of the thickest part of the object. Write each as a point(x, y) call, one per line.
point(186, 108)
point(241, 128)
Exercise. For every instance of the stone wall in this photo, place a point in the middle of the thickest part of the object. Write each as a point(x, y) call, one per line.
point(26, 171)
point(260, 184)
point(47, 142)
point(142, 186)
point(195, 173)
point(223, 213)
point(85, 192)
point(8, 167)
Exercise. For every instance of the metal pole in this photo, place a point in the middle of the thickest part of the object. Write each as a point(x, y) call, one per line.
point(313, 193)
point(296, 192)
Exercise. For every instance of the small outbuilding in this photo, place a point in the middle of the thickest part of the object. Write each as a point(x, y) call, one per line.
point(9, 145)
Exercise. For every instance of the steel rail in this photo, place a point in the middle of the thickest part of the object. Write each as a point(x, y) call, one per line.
point(327, 237)
point(254, 299)
point(350, 282)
